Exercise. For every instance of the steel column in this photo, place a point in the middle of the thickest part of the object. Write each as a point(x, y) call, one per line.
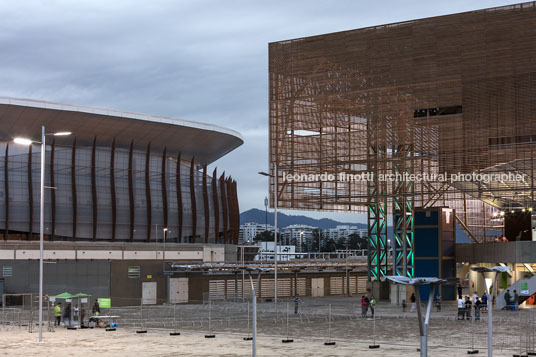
point(6, 191)
point(178, 188)
point(112, 190)
point(164, 188)
point(52, 191)
point(205, 202)
point(148, 205)
point(192, 198)
point(30, 193)
point(216, 207)
point(73, 187)
point(131, 188)
point(224, 206)
point(94, 187)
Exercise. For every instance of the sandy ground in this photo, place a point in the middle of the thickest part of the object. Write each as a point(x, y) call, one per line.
point(159, 343)
point(396, 332)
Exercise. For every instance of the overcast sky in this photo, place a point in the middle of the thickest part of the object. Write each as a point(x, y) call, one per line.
point(197, 60)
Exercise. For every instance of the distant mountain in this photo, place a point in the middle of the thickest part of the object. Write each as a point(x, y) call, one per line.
point(283, 220)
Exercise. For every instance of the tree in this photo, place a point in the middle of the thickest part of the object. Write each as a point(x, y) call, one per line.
point(355, 241)
point(317, 239)
point(329, 245)
point(264, 236)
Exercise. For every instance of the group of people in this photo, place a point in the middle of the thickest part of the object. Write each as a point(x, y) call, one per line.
point(366, 304)
point(467, 304)
point(78, 313)
point(512, 301)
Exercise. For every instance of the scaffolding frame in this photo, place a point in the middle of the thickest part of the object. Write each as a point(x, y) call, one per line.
point(449, 96)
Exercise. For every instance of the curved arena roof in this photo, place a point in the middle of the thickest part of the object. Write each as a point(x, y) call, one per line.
point(205, 142)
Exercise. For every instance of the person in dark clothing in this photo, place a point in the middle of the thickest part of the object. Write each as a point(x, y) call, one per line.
point(296, 304)
point(67, 315)
point(468, 306)
point(364, 307)
point(460, 292)
point(507, 298)
point(413, 300)
point(478, 305)
point(367, 305)
point(515, 302)
point(96, 308)
point(438, 302)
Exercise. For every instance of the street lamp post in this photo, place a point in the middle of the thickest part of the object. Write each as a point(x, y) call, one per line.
point(497, 269)
point(423, 320)
point(266, 216)
point(275, 177)
point(41, 215)
point(165, 234)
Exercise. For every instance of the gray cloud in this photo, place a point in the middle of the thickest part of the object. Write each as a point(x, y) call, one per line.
point(198, 60)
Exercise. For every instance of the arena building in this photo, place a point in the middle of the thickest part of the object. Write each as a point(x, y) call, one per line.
point(118, 183)
point(450, 95)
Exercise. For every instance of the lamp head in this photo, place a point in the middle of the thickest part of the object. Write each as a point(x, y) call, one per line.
point(22, 141)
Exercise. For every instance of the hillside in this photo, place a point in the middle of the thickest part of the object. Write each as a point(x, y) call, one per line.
point(283, 220)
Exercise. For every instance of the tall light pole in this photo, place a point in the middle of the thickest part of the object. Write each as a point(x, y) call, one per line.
point(497, 269)
point(423, 320)
point(28, 142)
point(165, 234)
point(266, 210)
point(275, 177)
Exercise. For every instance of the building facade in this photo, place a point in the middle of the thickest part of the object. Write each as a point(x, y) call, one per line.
point(434, 112)
point(117, 178)
point(248, 231)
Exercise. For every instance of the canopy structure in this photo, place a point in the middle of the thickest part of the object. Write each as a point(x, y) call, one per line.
point(63, 296)
point(81, 295)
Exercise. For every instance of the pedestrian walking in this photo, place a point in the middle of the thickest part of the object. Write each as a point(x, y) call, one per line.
point(67, 315)
point(372, 305)
point(438, 302)
point(461, 309)
point(515, 302)
point(363, 307)
point(57, 314)
point(403, 305)
point(468, 306)
point(413, 299)
point(507, 299)
point(484, 305)
point(475, 297)
point(296, 304)
point(478, 305)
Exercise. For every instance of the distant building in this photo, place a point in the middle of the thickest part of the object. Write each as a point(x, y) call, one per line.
point(299, 235)
point(343, 231)
point(249, 230)
point(285, 252)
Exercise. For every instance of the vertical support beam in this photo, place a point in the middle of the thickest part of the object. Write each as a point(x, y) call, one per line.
point(112, 190)
point(224, 206)
point(192, 198)
point(30, 193)
point(205, 202)
point(216, 207)
point(94, 186)
point(148, 192)
point(236, 225)
point(131, 188)
point(6, 191)
point(178, 188)
point(73, 188)
point(403, 207)
point(164, 188)
point(52, 191)
point(377, 206)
